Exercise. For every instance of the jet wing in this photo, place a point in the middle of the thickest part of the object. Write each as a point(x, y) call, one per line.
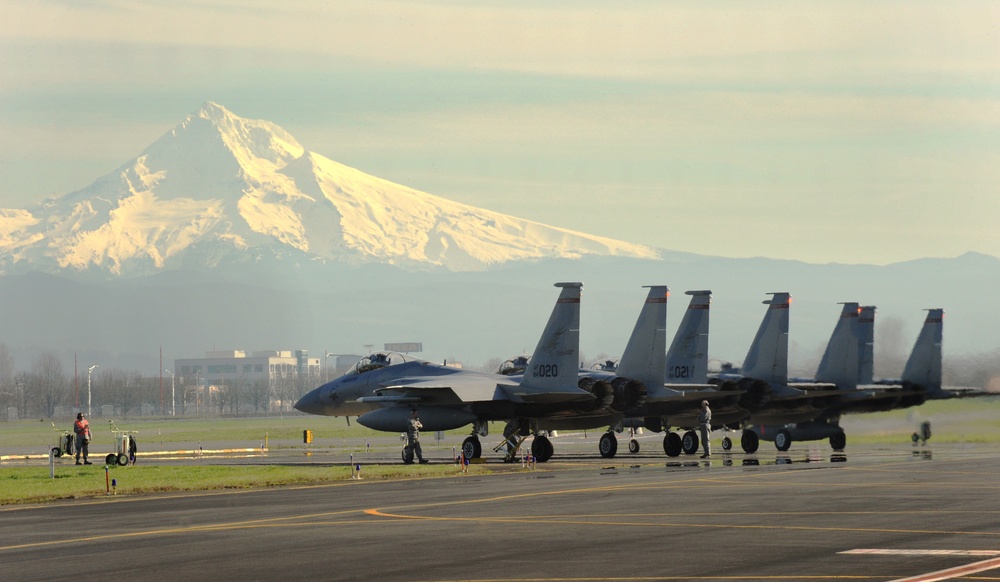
point(456, 389)
point(690, 393)
point(437, 390)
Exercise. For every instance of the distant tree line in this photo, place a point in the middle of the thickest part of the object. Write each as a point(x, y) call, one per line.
point(46, 387)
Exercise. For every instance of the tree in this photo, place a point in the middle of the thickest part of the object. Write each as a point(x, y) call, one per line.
point(259, 394)
point(121, 388)
point(47, 385)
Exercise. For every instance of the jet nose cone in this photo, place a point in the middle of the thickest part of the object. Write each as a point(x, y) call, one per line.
point(311, 403)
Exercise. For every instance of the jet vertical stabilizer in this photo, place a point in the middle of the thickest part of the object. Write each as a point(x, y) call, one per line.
point(644, 357)
point(924, 366)
point(687, 358)
point(866, 350)
point(840, 364)
point(557, 356)
point(767, 359)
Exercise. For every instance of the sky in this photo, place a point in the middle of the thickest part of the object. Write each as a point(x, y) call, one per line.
point(849, 132)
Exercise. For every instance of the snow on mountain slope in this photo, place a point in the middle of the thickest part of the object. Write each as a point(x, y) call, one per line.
point(219, 187)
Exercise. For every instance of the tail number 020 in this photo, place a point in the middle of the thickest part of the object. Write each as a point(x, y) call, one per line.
point(545, 371)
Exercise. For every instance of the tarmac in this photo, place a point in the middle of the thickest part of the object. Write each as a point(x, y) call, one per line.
point(897, 512)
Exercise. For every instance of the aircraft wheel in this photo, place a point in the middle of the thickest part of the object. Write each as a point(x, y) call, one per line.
point(550, 449)
point(608, 445)
point(122, 459)
point(672, 444)
point(407, 455)
point(56, 452)
point(472, 448)
point(749, 441)
point(727, 443)
point(542, 449)
point(838, 441)
point(633, 446)
point(783, 440)
point(111, 459)
point(689, 443)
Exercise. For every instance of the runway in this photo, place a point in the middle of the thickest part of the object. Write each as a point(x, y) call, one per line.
point(876, 514)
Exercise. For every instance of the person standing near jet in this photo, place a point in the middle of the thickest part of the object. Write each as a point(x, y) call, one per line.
point(82, 429)
point(705, 426)
point(413, 436)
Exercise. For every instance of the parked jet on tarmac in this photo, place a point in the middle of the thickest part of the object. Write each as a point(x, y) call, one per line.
point(671, 377)
point(384, 388)
point(784, 411)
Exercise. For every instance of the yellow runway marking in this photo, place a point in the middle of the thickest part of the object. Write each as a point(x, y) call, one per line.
point(291, 521)
point(568, 520)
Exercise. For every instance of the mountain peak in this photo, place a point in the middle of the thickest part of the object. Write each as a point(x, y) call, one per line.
point(219, 188)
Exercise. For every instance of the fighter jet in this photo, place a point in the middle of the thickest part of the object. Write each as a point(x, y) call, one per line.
point(847, 367)
point(675, 380)
point(632, 392)
point(384, 388)
point(922, 372)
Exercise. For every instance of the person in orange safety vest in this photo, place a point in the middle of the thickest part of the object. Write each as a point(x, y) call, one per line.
point(82, 429)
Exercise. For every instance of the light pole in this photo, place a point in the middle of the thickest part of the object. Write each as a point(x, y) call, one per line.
point(89, 371)
point(20, 403)
point(173, 401)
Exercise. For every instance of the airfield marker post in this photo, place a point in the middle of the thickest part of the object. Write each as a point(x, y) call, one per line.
point(52, 465)
point(352, 465)
point(107, 482)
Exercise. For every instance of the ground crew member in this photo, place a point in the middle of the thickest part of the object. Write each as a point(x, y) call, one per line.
point(82, 429)
point(705, 426)
point(413, 436)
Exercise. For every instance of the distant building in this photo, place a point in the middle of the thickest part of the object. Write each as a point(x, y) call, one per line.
point(281, 375)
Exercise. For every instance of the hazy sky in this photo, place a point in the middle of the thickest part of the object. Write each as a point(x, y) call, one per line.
point(859, 132)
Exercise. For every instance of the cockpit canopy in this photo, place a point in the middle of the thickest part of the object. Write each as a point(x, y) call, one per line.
point(377, 360)
point(513, 366)
point(608, 365)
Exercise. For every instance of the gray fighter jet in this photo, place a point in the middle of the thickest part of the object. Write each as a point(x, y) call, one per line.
point(382, 389)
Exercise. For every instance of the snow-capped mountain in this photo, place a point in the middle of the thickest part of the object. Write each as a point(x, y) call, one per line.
point(221, 189)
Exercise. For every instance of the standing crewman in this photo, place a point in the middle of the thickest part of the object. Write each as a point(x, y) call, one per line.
point(704, 427)
point(82, 429)
point(413, 436)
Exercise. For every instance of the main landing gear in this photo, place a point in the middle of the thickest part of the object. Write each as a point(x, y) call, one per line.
point(675, 444)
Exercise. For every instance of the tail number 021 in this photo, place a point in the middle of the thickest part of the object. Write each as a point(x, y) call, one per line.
point(545, 371)
point(680, 371)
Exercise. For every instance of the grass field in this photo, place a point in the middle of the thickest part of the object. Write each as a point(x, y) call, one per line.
point(975, 420)
point(34, 484)
point(250, 430)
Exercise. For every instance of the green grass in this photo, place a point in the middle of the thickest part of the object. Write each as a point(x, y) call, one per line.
point(974, 420)
point(34, 484)
point(248, 430)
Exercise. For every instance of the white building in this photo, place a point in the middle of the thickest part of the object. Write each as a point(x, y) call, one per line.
point(284, 373)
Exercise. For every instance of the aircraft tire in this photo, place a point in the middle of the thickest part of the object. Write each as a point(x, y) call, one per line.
point(672, 444)
point(783, 440)
point(690, 443)
point(542, 449)
point(608, 445)
point(122, 459)
point(727, 443)
point(633, 446)
point(407, 456)
point(56, 452)
point(749, 441)
point(472, 448)
point(838, 441)
point(111, 459)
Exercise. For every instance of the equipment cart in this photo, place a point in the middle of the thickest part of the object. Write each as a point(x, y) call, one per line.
point(65, 443)
point(125, 447)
